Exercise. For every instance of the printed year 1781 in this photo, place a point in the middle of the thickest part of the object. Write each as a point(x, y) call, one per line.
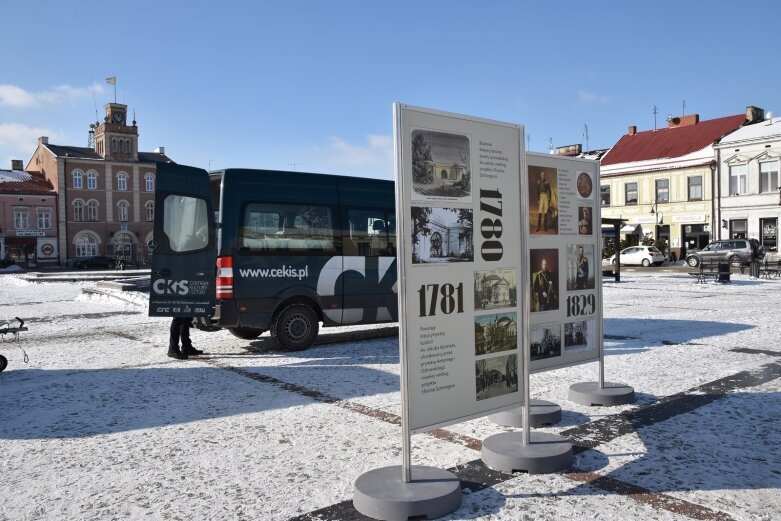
point(445, 297)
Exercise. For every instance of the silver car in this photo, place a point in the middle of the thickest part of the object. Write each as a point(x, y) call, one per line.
point(737, 252)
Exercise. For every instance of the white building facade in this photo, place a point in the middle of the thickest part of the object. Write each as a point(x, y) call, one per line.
point(747, 184)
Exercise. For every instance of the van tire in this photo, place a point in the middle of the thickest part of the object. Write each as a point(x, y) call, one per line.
point(295, 328)
point(3, 363)
point(246, 333)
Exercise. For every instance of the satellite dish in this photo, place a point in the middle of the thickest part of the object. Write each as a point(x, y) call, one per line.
point(669, 118)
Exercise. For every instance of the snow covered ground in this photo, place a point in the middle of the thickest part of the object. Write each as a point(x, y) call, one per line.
point(100, 424)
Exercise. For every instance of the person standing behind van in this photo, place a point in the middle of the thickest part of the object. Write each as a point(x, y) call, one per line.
point(180, 330)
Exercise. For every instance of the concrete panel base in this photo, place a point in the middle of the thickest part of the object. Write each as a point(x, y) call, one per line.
point(545, 454)
point(431, 493)
point(541, 413)
point(589, 393)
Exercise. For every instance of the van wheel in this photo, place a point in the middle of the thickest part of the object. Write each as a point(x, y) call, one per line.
point(295, 327)
point(246, 333)
point(3, 363)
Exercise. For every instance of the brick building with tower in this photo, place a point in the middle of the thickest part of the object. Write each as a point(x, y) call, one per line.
point(105, 202)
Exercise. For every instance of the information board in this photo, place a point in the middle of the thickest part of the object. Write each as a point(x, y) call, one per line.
point(461, 222)
point(565, 260)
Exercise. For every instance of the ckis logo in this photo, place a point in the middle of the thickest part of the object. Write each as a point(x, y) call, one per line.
point(171, 287)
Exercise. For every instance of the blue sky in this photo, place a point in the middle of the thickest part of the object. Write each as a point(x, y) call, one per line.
point(311, 83)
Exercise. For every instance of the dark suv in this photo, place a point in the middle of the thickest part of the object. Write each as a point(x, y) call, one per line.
point(735, 251)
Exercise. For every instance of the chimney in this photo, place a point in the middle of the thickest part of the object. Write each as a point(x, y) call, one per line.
point(43, 140)
point(17, 164)
point(683, 121)
point(754, 114)
point(160, 150)
point(632, 130)
point(569, 150)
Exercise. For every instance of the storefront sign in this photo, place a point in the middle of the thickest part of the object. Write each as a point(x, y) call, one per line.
point(688, 218)
point(30, 233)
point(460, 253)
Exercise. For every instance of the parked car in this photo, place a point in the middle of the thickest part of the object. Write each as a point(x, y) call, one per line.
point(639, 255)
point(737, 252)
point(102, 261)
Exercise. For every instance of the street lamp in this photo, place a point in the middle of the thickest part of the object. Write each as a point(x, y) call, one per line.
point(655, 211)
point(658, 220)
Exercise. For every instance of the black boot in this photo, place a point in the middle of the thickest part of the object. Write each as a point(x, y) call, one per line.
point(189, 350)
point(539, 219)
point(173, 352)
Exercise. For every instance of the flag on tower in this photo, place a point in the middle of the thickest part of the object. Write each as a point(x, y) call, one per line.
point(112, 80)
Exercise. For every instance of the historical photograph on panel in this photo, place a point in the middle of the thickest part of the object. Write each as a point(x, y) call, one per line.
point(580, 266)
point(495, 333)
point(585, 186)
point(579, 336)
point(585, 220)
point(544, 264)
point(496, 376)
point(496, 289)
point(543, 201)
point(441, 235)
point(440, 166)
point(545, 341)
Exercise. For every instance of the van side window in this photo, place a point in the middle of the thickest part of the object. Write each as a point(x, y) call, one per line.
point(286, 228)
point(185, 223)
point(370, 233)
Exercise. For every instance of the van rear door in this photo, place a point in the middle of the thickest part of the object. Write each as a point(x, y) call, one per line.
point(183, 244)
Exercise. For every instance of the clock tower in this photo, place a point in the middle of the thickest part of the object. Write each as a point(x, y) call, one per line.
point(114, 138)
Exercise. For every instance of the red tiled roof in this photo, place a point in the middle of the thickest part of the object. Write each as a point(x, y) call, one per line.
point(671, 142)
point(32, 186)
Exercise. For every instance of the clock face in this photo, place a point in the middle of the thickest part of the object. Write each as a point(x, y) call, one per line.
point(118, 116)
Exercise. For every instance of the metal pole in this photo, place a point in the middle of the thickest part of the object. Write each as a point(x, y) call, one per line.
point(402, 233)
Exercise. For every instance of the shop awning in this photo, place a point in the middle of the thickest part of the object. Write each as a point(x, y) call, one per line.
point(628, 229)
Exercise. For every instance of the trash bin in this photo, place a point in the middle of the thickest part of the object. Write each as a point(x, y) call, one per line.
point(724, 272)
point(754, 269)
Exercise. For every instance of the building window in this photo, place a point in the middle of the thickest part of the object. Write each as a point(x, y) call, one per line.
point(78, 211)
point(114, 144)
point(150, 211)
point(44, 219)
point(21, 219)
point(630, 190)
point(662, 190)
point(125, 145)
point(92, 211)
point(768, 176)
point(122, 181)
point(695, 188)
point(149, 180)
point(738, 228)
point(86, 246)
point(92, 180)
point(77, 179)
point(738, 180)
point(122, 207)
point(605, 194)
point(768, 228)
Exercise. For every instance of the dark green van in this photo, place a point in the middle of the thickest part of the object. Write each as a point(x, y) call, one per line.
point(259, 250)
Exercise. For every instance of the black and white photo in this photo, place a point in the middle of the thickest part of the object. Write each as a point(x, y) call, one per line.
point(496, 332)
point(441, 235)
point(545, 341)
point(441, 168)
point(495, 289)
point(496, 376)
point(580, 266)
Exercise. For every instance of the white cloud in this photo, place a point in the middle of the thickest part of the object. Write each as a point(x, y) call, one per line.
point(589, 98)
point(377, 151)
point(21, 139)
point(17, 97)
